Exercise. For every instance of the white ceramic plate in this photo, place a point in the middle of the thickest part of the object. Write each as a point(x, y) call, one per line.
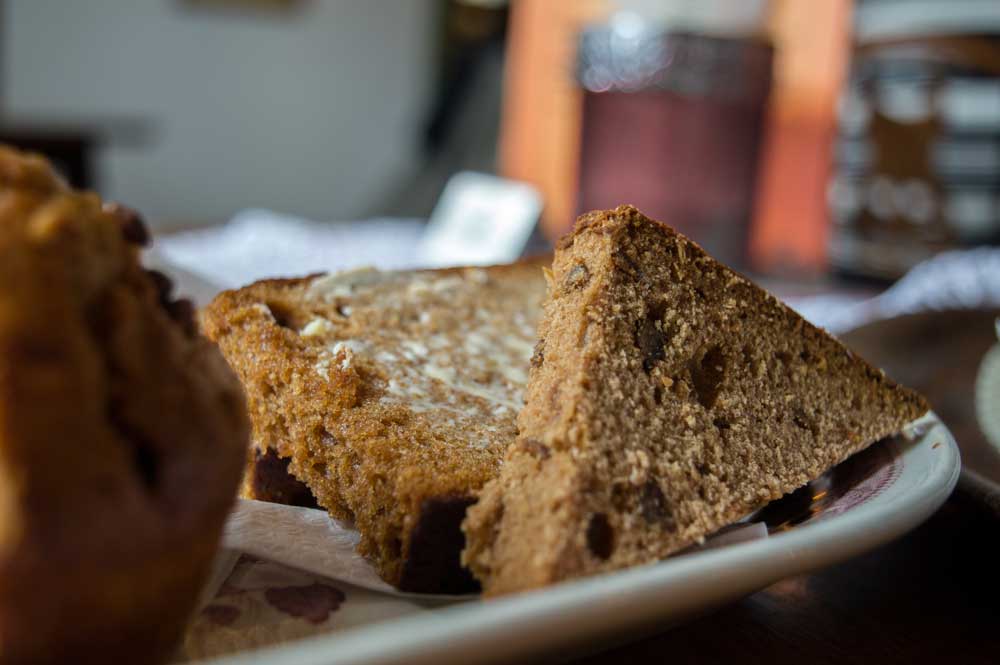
point(872, 498)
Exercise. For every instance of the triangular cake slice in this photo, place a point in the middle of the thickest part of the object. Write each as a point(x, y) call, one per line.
point(668, 396)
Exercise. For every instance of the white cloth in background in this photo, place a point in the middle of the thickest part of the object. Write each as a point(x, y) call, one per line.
point(257, 244)
point(965, 279)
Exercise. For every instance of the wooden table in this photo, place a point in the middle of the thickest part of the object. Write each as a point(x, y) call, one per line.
point(931, 596)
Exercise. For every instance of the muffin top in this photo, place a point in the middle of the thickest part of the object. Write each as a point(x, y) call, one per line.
point(122, 431)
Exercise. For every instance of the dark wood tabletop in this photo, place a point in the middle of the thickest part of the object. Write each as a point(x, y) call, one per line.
point(931, 596)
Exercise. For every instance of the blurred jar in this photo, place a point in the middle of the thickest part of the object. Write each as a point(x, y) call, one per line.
point(673, 110)
point(917, 159)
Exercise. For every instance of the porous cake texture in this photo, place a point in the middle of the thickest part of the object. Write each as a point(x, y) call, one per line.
point(388, 398)
point(668, 396)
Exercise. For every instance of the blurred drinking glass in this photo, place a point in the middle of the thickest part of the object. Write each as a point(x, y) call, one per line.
point(674, 102)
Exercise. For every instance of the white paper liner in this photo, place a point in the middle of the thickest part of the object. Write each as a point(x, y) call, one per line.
point(222, 567)
point(961, 279)
point(304, 538)
point(733, 534)
point(309, 539)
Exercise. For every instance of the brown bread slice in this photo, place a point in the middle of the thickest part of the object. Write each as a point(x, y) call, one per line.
point(388, 398)
point(668, 396)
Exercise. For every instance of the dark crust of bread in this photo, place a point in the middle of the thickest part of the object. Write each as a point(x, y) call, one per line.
point(437, 538)
point(436, 548)
point(122, 433)
point(268, 479)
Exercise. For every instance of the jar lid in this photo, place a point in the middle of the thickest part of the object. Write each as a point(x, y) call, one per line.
point(630, 53)
point(723, 18)
point(877, 20)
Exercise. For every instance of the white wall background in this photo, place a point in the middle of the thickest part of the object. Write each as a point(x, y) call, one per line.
point(314, 112)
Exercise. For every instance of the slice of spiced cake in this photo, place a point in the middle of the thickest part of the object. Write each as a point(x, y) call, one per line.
point(388, 398)
point(668, 396)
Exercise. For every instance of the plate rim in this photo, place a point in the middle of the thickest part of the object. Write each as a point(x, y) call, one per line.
point(520, 624)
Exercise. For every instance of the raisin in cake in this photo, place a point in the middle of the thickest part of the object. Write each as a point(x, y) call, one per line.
point(388, 398)
point(122, 433)
point(668, 396)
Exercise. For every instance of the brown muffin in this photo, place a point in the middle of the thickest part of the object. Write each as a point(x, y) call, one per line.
point(668, 397)
point(122, 433)
point(388, 396)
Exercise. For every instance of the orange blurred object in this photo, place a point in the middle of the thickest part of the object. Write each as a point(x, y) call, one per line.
point(540, 128)
point(791, 218)
point(540, 125)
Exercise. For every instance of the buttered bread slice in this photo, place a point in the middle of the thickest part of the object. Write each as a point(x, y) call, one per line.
point(387, 398)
